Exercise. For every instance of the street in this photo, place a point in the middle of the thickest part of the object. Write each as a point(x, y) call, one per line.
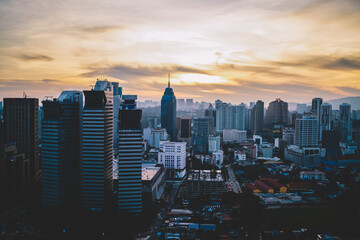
point(232, 180)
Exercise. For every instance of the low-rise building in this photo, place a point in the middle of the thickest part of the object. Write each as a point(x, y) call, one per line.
point(153, 182)
point(239, 156)
point(312, 175)
point(234, 135)
point(304, 156)
point(205, 184)
point(172, 156)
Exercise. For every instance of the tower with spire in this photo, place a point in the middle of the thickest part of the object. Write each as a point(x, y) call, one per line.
point(168, 111)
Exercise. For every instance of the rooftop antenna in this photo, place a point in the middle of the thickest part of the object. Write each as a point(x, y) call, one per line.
point(168, 80)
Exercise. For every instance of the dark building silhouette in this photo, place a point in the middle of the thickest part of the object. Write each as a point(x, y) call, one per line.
point(330, 141)
point(129, 185)
point(60, 149)
point(21, 124)
point(277, 114)
point(97, 148)
point(185, 127)
point(257, 117)
point(210, 112)
point(201, 134)
point(168, 112)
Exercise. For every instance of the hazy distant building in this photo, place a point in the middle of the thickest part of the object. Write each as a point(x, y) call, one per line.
point(181, 103)
point(257, 117)
point(21, 124)
point(277, 114)
point(325, 118)
point(288, 135)
point(168, 112)
point(213, 143)
point(316, 109)
point(234, 135)
point(97, 148)
point(345, 121)
point(301, 108)
point(190, 103)
point(155, 136)
point(60, 149)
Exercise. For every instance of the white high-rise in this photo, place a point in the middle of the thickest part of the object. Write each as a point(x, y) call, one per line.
point(306, 131)
point(173, 156)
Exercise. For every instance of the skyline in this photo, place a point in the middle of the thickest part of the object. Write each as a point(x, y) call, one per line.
point(236, 51)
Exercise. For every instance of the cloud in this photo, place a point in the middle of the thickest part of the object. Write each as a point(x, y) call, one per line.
point(98, 29)
point(130, 71)
point(35, 57)
point(343, 64)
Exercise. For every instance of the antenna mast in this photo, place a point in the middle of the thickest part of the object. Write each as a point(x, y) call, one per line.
point(168, 80)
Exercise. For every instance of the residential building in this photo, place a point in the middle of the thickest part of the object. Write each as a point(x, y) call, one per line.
point(257, 117)
point(234, 135)
point(277, 114)
point(213, 143)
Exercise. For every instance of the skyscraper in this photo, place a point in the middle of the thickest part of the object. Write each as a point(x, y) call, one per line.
point(240, 117)
point(129, 156)
point(210, 112)
point(325, 118)
point(21, 124)
point(220, 115)
point(315, 109)
point(306, 131)
point(97, 148)
point(200, 134)
point(257, 117)
point(277, 114)
point(60, 149)
point(168, 112)
point(345, 122)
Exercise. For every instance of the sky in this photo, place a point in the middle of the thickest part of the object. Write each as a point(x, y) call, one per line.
point(233, 50)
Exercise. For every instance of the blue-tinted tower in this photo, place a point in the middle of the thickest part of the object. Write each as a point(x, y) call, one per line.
point(168, 112)
point(60, 151)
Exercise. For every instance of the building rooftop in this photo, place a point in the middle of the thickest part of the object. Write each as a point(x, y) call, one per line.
point(148, 172)
point(205, 175)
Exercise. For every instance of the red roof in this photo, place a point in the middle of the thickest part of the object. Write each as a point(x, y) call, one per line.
point(250, 186)
point(262, 185)
point(273, 182)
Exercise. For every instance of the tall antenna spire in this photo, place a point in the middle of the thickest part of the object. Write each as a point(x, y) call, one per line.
point(168, 80)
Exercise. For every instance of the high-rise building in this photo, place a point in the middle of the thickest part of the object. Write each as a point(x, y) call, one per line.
point(306, 131)
point(325, 118)
point(210, 112)
point(185, 127)
point(257, 117)
point(173, 156)
point(189, 103)
point(330, 141)
point(220, 115)
point(97, 148)
point(277, 114)
point(288, 135)
point(154, 136)
point(213, 143)
point(181, 103)
point(316, 109)
point(240, 117)
point(201, 131)
point(301, 108)
point(117, 92)
point(345, 122)
point(60, 149)
point(129, 191)
point(168, 112)
point(153, 122)
point(21, 124)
